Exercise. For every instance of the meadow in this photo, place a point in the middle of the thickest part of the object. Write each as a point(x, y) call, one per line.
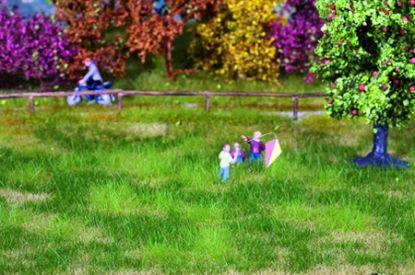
point(89, 190)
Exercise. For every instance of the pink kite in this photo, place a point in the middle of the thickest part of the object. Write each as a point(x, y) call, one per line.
point(272, 151)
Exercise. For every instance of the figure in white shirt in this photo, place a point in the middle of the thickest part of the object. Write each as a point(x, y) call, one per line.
point(225, 161)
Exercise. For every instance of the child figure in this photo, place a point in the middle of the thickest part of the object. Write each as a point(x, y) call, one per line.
point(239, 153)
point(225, 161)
point(256, 147)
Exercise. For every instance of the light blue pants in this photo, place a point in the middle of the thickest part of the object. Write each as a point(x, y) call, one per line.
point(224, 174)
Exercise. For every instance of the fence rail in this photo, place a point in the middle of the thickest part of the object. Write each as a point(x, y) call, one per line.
point(206, 94)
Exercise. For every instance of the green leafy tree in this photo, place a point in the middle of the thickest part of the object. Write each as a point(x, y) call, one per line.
point(367, 55)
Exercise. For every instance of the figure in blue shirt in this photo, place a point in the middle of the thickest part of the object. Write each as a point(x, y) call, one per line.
point(160, 7)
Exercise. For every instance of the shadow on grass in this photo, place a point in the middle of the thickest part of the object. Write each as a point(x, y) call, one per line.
point(23, 251)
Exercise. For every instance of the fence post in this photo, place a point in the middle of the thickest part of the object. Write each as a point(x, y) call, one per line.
point(120, 96)
point(31, 103)
point(207, 103)
point(295, 108)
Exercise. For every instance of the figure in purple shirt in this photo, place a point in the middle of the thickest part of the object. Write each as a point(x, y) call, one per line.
point(256, 147)
point(239, 153)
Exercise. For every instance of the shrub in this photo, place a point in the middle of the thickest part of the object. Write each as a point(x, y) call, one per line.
point(296, 33)
point(234, 41)
point(34, 48)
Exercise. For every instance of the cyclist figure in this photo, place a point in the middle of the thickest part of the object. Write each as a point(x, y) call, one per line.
point(93, 78)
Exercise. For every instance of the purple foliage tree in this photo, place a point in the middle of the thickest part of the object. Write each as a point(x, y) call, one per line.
point(32, 49)
point(296, 34)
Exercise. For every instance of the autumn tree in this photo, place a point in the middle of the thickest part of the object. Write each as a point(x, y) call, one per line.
point(110, 30)
point(96, 28)
point(154, 31)
point(235, 43)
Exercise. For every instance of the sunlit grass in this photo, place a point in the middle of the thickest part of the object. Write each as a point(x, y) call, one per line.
point(330, 218)
point(139, 191)
point(114, 199)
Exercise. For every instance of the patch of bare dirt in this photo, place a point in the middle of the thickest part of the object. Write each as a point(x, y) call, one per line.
point(16, 197)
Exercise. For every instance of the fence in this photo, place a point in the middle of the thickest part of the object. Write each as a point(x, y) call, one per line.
point(206, 94)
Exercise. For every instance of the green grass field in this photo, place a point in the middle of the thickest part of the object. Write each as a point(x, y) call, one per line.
point(88, 190)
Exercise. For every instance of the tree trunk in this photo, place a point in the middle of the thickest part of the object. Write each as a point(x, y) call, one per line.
point(169, 60)
point(379, 155)
point(172, 72)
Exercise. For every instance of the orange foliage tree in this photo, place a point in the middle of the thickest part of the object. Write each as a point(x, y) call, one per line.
point(98, 28)
point(151, 32)
point(95, 27)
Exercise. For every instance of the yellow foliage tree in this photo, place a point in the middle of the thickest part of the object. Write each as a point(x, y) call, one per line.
point(234, 42)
